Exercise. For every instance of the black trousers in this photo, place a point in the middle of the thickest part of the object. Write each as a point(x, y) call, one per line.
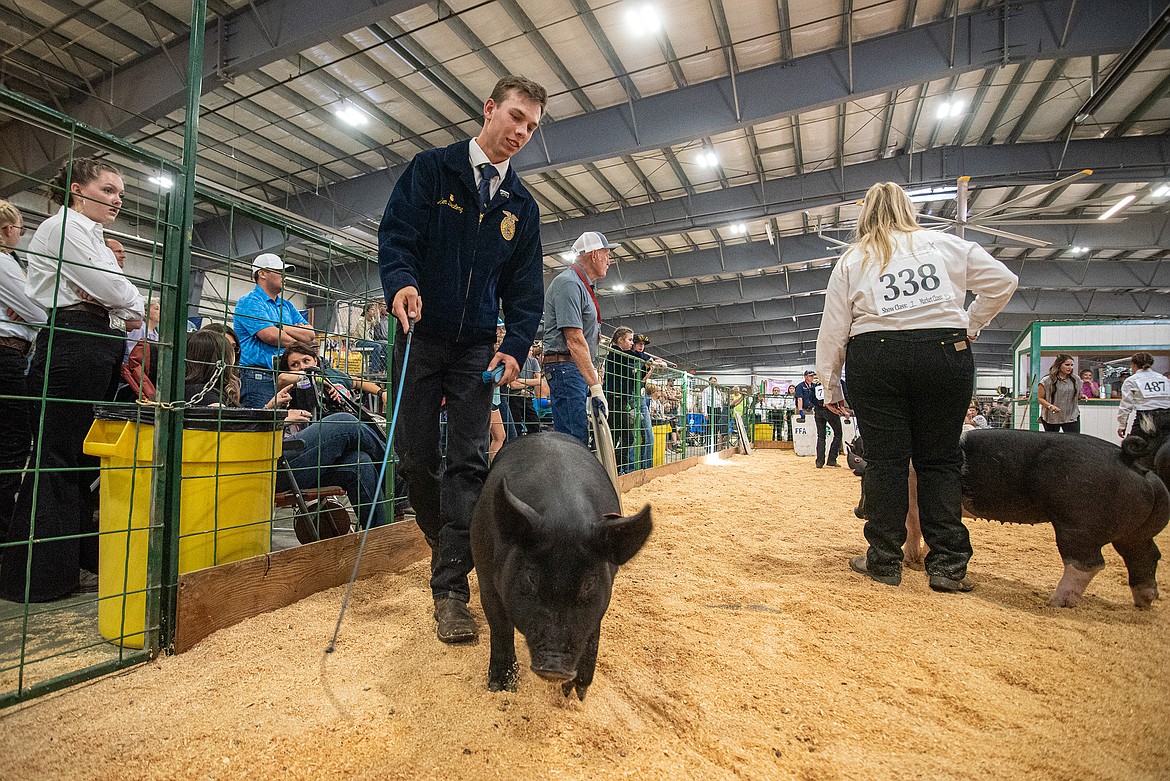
point(443, 493)
point(15, 430)
point(82, 368)
point(911, 390)
point(824, 417)
point(1072, 427)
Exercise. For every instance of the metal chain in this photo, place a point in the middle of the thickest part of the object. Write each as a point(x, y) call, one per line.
point(198, 397)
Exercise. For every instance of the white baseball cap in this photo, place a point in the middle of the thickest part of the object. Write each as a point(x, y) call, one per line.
point(590, 241)
point(269, 261)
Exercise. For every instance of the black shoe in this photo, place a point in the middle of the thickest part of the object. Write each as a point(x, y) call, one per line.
point(87, 583)
point(857, 564)
point(832, 463)
point(455, 624)
point(950, 585)
point(820, 466)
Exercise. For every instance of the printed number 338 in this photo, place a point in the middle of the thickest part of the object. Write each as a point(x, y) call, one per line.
point(924, 278)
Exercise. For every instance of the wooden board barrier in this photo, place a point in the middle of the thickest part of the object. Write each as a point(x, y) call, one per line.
point(218, 597)
point(643, 476)
point(767, 444)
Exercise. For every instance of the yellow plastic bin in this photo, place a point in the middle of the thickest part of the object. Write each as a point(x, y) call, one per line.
point(229, 477)
point(661, 434)
point(762, 432)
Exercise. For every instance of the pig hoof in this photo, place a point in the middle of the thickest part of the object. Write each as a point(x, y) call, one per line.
point(568, 686)
point(1144, 596)
point(1064, 599)
point(505, 679)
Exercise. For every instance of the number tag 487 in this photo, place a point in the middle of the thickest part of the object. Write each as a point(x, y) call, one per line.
point(908, 283)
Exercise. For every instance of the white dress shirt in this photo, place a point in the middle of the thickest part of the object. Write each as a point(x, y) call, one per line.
point(478, 158)
point(74, 244)
point(1146, 390)
point(12, 296)
point(924, 285)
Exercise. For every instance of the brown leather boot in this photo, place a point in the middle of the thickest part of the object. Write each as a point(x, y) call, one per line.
point(454, 621)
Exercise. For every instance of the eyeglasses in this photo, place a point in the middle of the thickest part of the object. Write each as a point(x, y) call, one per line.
point(23, 230)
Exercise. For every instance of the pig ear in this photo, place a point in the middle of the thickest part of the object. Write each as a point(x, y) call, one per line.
point(621, 538)
point(515, 518)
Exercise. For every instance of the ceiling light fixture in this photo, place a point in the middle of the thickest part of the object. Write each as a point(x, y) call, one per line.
point(950, 108)
point(1077, 250)
point(162, 181)
point(738, 229)
point(568, 256)
point(643, 19)
point(707, 159)
point(1115, 208)
point(351, 114)
point(1162, 191)
point(619, 287)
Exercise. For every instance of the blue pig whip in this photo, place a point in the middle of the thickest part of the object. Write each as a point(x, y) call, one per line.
point(377, 489)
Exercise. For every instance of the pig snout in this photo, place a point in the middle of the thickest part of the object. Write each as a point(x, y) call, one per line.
point(555, 674)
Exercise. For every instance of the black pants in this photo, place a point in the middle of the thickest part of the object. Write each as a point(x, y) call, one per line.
point(82, 367)
point(824, 417)
point(1072, 427)
point(443, 493)
point(911, 390)
point(15, 430)
point(621, 426)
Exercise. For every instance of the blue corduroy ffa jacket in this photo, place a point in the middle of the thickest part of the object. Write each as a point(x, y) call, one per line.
point(465, 268)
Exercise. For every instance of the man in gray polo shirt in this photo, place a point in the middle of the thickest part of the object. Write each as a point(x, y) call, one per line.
point(572, 327)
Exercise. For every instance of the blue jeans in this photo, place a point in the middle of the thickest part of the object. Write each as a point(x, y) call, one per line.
point(567, 395)
point(647, 428)
point(340, 450)
point(257, 387)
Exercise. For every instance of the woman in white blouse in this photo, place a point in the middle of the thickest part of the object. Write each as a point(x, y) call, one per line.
point(894, 312)
point(75, 277)
point(19, 317)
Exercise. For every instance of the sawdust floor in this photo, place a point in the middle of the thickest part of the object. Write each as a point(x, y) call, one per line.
point(738, 644)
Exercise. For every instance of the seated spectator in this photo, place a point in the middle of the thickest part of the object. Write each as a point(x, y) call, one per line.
point(298, 361)
point(227, 332)
point(336, 450)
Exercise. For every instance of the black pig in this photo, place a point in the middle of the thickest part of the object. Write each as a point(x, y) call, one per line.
point(547, 537)
point(1091, 491)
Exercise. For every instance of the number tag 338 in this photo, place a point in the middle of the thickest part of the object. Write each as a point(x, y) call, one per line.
point(909, 283)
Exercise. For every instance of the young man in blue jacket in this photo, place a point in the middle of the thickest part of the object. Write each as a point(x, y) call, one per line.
point(462, 233)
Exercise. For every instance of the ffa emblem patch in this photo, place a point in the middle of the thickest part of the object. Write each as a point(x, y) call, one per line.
point(508, 226)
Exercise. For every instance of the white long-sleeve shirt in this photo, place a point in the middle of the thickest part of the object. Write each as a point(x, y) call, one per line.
point(924, 286)
point(12, 296)
point(1145, 390)
point(74, 244)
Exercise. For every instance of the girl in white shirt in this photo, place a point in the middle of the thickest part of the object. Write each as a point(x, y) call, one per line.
point(73, 275)
point(1142, 392)
point(894, 311)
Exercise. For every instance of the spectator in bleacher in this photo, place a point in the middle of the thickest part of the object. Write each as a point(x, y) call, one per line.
point(18, 317)
point(297, 364)
point(622, 392)
point(335, 450)
point(227, 332)
point(73, 275)
point(118, 250)
point(265, 323)
point(148, 330)
point(373, 334)
point(524, 390)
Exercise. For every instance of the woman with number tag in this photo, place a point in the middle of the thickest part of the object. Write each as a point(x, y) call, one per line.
point(1142, 392)
point(894, 312)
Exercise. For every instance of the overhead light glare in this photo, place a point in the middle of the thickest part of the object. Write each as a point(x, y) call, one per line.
point(737, 229)
point(351, 115)
point(950, 108)
point(162, 181)
point(619, 288)
point(1078, 250)
point(1115, 208)
point(708, 159)
point(1162, 191)
point(643, 19)
point(928, 194)
point(568, 256)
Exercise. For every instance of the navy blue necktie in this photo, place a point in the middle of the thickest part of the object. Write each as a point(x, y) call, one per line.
point(487, 172)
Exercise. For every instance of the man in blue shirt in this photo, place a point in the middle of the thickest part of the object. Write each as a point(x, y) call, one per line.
point(463, 233)
point(265, 323)
point(811, 395)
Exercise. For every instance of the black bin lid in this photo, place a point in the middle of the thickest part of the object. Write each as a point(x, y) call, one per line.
point(198, 418)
